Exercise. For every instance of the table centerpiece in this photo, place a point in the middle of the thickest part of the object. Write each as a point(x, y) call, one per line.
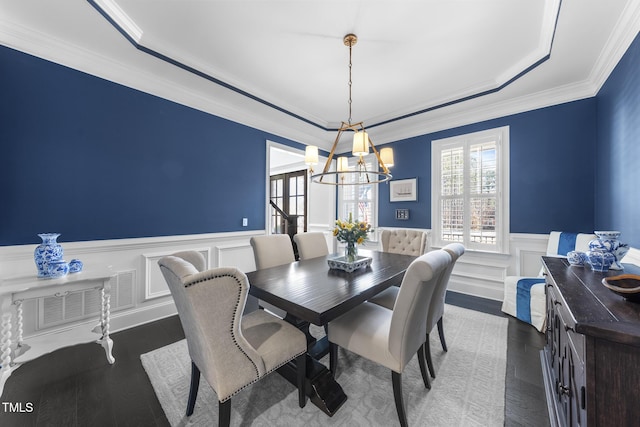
point(353, 233)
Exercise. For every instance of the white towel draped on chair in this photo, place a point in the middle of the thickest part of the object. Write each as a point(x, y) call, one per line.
point(524, 297)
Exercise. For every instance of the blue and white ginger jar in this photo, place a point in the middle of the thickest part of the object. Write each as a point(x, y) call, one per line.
point(600, 260)
point(46, 252)
point(607, 241)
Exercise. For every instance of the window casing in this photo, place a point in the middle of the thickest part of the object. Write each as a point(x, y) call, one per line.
point(470, 190)
point(360, 199)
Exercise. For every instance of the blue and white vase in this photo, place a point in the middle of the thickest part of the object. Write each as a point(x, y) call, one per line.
point(47, 251)
point(607, 241)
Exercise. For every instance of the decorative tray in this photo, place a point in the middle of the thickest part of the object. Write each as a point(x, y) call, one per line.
point(341, 263)
point(626, 285)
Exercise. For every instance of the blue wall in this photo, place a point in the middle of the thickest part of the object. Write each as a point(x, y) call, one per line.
point(551, 168)
point(618, 168)
point(96, 160)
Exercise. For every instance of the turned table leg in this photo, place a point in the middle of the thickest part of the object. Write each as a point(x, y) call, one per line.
point(5, 341)
point(105, 313)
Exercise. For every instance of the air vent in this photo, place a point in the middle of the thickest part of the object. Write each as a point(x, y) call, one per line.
point(54, 311)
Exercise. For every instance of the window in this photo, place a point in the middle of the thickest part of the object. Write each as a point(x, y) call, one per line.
point(470, 190)
point(361, 199)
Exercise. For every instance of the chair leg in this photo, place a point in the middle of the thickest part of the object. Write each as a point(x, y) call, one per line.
point(423, 369)
point(333, 358)
point(396, 379)
point(301, 363)
point(193, 390)
point(224, 413)
point(441, 333)
point(427, 352)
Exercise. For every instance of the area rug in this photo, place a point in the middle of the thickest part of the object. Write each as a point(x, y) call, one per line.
point(468, 389)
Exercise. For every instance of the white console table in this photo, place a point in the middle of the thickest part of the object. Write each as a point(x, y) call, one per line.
point(14, 291)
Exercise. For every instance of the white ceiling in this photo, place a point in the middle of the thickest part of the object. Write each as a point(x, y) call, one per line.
point(281, 66)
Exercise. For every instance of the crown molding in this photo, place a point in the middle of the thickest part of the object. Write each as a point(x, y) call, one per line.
point(121, 19)
point(450, 120)
point(121, 22)
point(626, 30)
point(212, 99)
point(244, 111)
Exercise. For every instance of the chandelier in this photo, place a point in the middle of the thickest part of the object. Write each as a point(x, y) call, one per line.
point(360, 148)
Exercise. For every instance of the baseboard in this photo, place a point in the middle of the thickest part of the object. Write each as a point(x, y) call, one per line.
point(131, 318)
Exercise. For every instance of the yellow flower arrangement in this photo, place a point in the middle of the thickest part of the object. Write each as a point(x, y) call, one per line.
point(352, 233)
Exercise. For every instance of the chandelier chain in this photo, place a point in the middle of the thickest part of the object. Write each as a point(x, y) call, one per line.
point(350, 83)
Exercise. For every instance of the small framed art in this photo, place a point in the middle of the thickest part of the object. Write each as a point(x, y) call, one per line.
point(403, 190)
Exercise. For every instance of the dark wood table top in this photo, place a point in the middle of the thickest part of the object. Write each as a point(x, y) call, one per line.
point(596, 310)
point(310, 291)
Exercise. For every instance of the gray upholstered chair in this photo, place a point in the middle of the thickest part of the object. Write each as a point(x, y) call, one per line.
point(387, 298)
point(311, 245)
point(229, 349)
point(401, 241)
point(270, 251)
point(392, 337)
point(197, 260)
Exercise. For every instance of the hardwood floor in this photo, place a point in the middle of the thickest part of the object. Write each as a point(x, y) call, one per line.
point(76, 387)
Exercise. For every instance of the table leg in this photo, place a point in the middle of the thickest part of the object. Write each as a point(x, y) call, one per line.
point(19, 321)
point(5, 343)
point(322, 389)
point(303, 326)
point(21, 347)
point(105, 341)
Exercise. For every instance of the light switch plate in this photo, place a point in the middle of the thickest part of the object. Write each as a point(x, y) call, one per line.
point(402, 214)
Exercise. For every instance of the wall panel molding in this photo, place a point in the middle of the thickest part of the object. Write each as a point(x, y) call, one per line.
point(150, 297)
point(154, 283)
point(476, 273)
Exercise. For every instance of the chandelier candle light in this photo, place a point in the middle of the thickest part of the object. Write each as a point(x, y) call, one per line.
point(360, 148)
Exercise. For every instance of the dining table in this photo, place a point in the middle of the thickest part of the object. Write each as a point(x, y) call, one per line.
point(310, 292)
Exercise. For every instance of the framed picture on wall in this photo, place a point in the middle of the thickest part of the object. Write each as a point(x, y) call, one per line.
point(403, 190)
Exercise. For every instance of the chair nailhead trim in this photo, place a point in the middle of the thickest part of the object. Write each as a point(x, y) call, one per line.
point(257, 379)
point(235, 310)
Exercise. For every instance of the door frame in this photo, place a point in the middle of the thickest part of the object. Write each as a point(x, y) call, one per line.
point(267, 189)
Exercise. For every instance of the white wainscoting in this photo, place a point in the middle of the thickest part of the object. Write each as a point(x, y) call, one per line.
point(482, 273)
point(138, 258)
point(476, 273)
point(154, 284)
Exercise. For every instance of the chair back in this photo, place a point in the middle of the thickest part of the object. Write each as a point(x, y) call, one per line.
point(194, 258)
point(409, 318)
point(436, 311)
point(210, 305)
point(272, 250)
point(561, 242)
point(404, 241)
point(311, 245)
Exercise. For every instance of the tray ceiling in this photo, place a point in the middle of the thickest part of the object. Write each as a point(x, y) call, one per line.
point(281, 66)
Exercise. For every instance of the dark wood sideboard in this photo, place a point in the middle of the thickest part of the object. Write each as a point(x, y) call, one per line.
point(591, 359)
